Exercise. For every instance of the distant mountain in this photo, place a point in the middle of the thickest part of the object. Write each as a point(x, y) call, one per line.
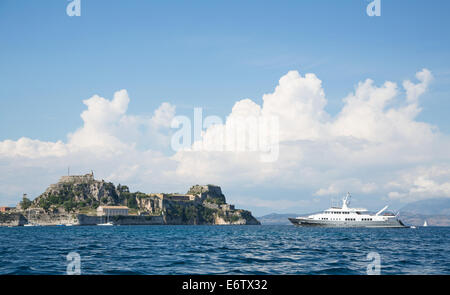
point(409, 218)
point(438, 206)
point(435, 211)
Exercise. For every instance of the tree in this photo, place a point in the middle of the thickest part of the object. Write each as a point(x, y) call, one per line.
point(45, 206)
point(26, 203)
point(131, 202)
point(68, 206)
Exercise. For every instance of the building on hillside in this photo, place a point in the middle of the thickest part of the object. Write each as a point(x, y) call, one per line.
point(77, 178)
point(176, 197)
point(112, 210)
point(179, 197)
point(4, 209)
point(227, 207)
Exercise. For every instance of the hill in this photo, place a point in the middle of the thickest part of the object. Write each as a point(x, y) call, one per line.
point(277, 219)
point(82, 194)
point(437, 206)
point(435, 211)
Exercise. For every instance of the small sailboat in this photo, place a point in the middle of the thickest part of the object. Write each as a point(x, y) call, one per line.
point(30, 223)
point(108, 223)
point(425, 223)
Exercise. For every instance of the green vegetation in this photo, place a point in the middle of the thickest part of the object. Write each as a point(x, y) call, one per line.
point(123, 189)
point(208, 215)
point(214, 201)
point(69, 205)
point(132, 203)
point(228, 217)
point(232, 219)
point(87, 211)
point(133, 212)
point(130, 199)
point(192, 213)
point(26, 203)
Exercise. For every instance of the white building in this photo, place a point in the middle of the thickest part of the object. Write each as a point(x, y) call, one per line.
point(112, 210)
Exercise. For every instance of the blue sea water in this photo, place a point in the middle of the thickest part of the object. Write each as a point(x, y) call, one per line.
point(223, 250)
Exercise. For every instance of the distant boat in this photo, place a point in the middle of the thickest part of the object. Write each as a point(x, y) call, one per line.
point(31, 224)
point(106, 224)
point(425, 223)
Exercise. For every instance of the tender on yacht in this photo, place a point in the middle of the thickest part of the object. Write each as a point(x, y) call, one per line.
point(349, 217)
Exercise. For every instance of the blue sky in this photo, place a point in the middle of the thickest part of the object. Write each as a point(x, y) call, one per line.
point(207, 54)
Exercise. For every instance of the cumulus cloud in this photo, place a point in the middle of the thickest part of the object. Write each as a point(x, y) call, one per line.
point(375, 134)
point(102, 119)
point(163, 116)
point(353, 184)
point(421, 183)
point(414, 91)
point(299, 104)
point(117, 146)
point(107, 129)
point(279, 204)
point(374, 146)
point(30, 148)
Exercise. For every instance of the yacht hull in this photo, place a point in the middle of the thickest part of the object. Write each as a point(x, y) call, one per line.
point(307, 222)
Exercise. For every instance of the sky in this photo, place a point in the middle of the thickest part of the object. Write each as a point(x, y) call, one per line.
point(362, 101)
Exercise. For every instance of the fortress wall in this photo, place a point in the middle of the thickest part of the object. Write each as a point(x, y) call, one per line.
point(77, 178)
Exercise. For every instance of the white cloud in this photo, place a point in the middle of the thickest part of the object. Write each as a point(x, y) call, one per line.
point(374, 146)
point(299, 103)
point(107, 129)
point(163, 116)
point(414, 91)
point(101, 121)
point(26, 147)
point(355, 185)
point(375, 134)
point(422, 183)
point(117, 146)
point(279, 204)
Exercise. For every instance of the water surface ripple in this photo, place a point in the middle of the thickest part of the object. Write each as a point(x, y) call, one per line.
point(223, 250)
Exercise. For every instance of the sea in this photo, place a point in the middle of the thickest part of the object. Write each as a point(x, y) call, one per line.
point(174, 250)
